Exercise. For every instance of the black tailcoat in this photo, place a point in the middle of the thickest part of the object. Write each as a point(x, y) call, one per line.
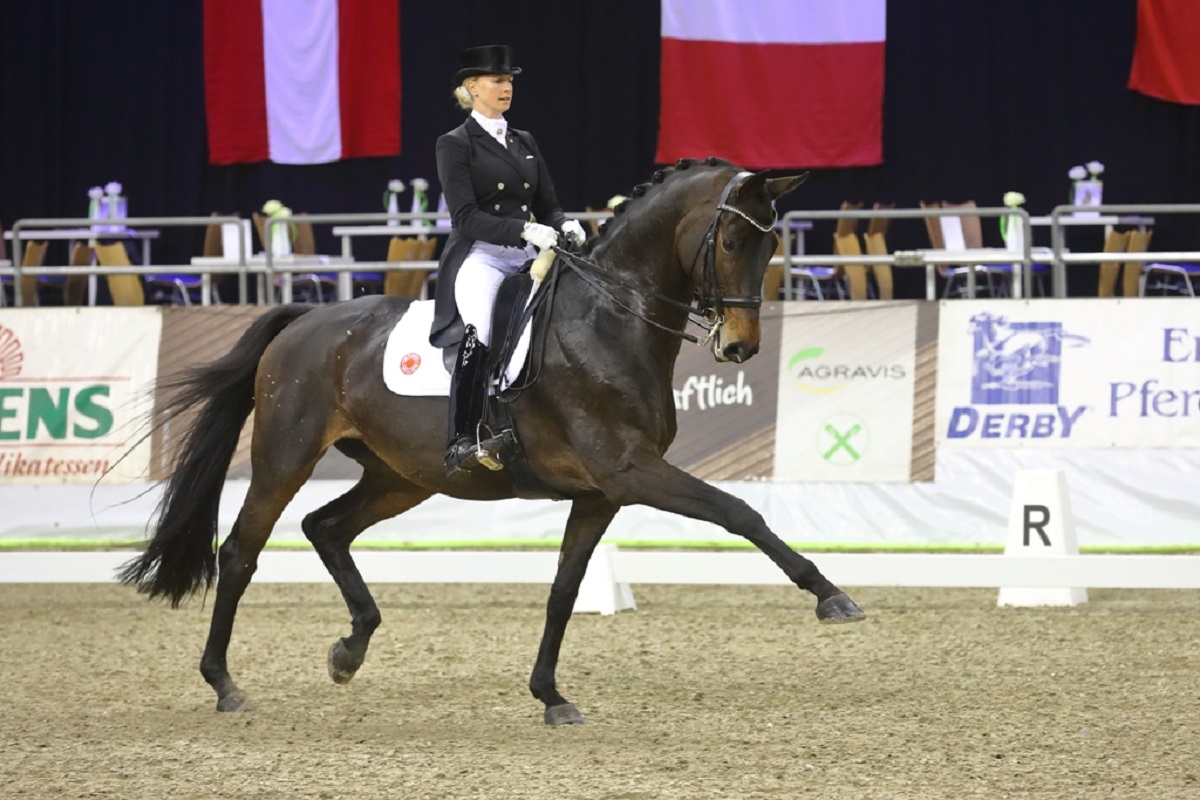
point(491, 192)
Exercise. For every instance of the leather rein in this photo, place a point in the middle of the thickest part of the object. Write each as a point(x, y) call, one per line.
point(709, 303)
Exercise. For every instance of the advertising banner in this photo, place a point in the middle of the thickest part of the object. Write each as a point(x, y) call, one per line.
point(726, 411)
point(75, 394)
point(845, 402)
point(1069, 373)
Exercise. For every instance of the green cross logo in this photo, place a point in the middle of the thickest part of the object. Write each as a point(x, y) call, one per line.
point(843, 439)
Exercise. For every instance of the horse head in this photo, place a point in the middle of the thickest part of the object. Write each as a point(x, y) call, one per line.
point(742, 242)
point(701, 232)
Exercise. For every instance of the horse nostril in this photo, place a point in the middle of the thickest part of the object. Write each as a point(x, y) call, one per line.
point(736, 353)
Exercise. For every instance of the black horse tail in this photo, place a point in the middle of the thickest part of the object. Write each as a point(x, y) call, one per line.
point(181, 555)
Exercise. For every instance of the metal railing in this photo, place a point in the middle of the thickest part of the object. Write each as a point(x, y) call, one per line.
point(929, 259)
point(271, 267)
point(1062, 258)
point(86, 225)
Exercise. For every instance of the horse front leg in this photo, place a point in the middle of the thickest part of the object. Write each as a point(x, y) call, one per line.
point(588, 521)
point(655, 483)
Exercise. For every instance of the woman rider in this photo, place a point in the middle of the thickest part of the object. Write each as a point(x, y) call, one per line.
point(502, 206)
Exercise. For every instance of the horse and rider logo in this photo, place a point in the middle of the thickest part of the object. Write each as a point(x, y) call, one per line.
point(1017, 362)
point(11, 357)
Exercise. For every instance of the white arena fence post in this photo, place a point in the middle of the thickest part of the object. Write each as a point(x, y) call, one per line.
point(600, 592)
point(1040, 524)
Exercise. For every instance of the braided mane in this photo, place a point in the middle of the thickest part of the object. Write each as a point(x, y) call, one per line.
point(662, 175)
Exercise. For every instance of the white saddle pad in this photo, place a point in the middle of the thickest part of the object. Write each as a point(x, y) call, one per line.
point(412, 366)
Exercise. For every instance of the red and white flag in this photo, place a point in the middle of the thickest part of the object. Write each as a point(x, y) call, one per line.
point(773, 83)
point(301, 81)
point(1166, 55)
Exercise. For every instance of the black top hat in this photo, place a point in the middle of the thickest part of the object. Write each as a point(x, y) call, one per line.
point(492, 59)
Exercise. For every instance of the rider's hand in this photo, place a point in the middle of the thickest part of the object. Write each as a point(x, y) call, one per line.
point(574, 231)
point(540, 236)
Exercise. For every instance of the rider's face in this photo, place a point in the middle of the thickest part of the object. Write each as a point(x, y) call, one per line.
point(492, 94)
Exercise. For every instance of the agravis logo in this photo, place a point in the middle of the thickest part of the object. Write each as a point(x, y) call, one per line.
point(1016, 363)
point(813, 375)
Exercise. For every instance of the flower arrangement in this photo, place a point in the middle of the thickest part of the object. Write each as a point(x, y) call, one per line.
point(107, 202)
point(1012, 200)
point(420, 201)
point(391, 199)
point(1086, 187)
point(95, 194)
point(281, 235)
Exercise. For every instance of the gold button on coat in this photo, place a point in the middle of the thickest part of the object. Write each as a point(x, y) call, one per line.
point(527, 186)
point(497, 206)
point(500, 186)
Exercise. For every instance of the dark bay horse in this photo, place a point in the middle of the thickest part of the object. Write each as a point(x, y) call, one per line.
point(595, 424)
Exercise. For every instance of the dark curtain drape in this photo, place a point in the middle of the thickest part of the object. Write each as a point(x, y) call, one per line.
point(981, 98)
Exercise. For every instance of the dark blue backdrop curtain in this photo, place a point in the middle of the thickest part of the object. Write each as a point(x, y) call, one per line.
point(981, 98)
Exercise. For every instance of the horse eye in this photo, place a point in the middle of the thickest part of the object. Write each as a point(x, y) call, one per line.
point(727, 244)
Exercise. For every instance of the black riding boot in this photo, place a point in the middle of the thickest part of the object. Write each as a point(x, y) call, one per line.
point(470, 442)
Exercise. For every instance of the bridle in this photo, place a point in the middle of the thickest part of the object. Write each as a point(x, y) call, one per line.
point(709, 303)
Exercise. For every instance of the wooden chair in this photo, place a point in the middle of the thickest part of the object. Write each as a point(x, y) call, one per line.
point(846, 243)
point(816, 281)
point(408, 282)
point(876, 245)
point(33, 254)
point(126, 290)
point(1113, 243)
point(304, 242)
point(1132, 282)
point(879, 224)
point(75, 287)
point(185, 289)
point(964, 231)
point(260, 227)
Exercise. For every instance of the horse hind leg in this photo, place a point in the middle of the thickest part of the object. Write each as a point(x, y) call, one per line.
point(379, 495)
point(276, 479)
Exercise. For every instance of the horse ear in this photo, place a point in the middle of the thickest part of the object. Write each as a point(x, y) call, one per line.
point(778, 187)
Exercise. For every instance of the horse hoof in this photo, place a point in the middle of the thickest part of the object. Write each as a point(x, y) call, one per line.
point(838, 609)
point(565, 714)
point(234, 701)
point(342, 665)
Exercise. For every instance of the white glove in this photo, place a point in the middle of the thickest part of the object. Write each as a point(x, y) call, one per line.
point(543, 237)
point(574, 231)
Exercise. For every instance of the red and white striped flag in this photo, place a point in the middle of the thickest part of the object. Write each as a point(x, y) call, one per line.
point(773, 83)
point(301, 81)
point(1166, 58)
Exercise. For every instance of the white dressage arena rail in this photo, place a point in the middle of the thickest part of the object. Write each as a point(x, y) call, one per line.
point(665, 567)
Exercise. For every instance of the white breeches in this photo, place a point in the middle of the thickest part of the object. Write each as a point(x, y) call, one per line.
point(479, 279)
